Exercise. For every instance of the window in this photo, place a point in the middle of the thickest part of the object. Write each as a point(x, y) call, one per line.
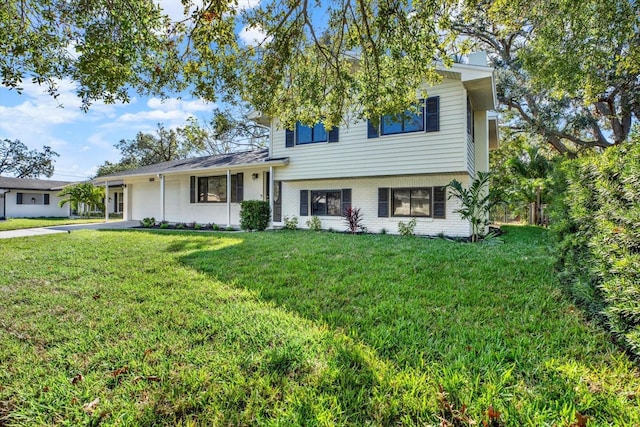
point(406, 122)
point(412, 202)
point(427, 202)
point(310, 135)
point(213, 189)
point(324, 202)
point(426, 118)
point(32, 199)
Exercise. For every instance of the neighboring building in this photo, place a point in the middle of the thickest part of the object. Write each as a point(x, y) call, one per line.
point(31, 198)
point(392, 172)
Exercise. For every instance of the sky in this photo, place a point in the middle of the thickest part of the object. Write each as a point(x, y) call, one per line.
point(84, 141)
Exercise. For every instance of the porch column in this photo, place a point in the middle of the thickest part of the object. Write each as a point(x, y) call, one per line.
point(270, 184)
point(106, 201)
point(228, 198)
point(161, 197)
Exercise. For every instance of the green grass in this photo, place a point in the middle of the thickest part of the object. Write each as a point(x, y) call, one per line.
point(22, 223)
point(298, 328)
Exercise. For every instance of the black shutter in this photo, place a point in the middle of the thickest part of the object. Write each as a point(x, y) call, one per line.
point(439, 202)
point(346, 199)
point(304, 202)
point(46, 199)
point(433, 114)
point(372, 131)
point(18, 198)
point(334, 134)
point(383, 202)
point(239, 188)
point(289, 138)
point(192, 189)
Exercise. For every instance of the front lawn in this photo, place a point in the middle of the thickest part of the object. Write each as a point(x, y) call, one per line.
point(298, 328)
point(22, 223)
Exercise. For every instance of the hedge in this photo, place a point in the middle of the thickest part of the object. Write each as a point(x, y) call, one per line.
point(597, 221)
point(254, 215)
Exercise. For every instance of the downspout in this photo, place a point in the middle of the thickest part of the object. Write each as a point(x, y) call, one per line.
point(161, 197)
point(228, 198)
point(106, 201)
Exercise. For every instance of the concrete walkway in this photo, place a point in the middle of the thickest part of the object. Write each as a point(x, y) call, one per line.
point(116, 225)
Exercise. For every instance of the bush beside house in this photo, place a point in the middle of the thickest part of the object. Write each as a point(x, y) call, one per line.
point(254, 215)
point(598, 225)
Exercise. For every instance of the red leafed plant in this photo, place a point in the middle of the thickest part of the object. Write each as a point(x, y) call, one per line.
point(353, 218)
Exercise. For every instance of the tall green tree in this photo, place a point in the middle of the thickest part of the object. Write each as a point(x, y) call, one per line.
point(314, 61)
point(16, 159)
point(148, 149)
point(523, 173)
point(227, 131)
point(568, 71)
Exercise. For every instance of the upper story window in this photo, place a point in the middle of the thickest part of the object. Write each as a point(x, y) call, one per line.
point(310, 135)
point(426, 118)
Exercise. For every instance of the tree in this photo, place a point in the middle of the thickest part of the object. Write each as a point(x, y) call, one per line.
point(148, 149)
point(570, 72)
point(522, 172)
point(226, 132)
point(315, 61)
point(16, 159)
point(83, 197)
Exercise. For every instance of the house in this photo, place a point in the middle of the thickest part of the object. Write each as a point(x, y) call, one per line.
point(392, 171)
point(30, 198)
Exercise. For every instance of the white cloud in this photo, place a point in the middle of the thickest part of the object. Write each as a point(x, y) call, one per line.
point(252, 36)
point(247, 4)
point(173, 104)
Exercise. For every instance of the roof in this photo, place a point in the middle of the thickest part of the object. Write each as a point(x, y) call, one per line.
point(31, 184)
point(235, 160)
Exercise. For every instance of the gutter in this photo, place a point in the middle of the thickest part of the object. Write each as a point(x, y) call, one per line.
point(274, 162)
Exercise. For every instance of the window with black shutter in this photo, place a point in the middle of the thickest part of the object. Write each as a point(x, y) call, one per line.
point(304, 202)
point(439, 202)
point(46, 199)
point(310, 135)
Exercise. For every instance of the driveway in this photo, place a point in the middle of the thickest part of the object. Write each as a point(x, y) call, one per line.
point(116, 225)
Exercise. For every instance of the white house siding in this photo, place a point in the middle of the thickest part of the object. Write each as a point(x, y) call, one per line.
point(364, 195)
point(354, 155)
point(144, 200)
point(30, 210)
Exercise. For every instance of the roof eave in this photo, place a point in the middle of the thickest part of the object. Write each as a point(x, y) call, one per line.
point(274, 162)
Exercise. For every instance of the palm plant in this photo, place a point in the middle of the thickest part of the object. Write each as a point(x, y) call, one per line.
point(82, 195)
point(475, 201)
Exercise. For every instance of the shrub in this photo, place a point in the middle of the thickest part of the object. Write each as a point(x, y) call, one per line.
point(181, 226)
point(291, 223)
point(164, 225)
point(197, 226)
point(148, 222)
point(407, 229)
point(254, 215)
point(475, 201)
point(215, 227)
point(314, 223)
point(353, 219)
point(597, 222)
